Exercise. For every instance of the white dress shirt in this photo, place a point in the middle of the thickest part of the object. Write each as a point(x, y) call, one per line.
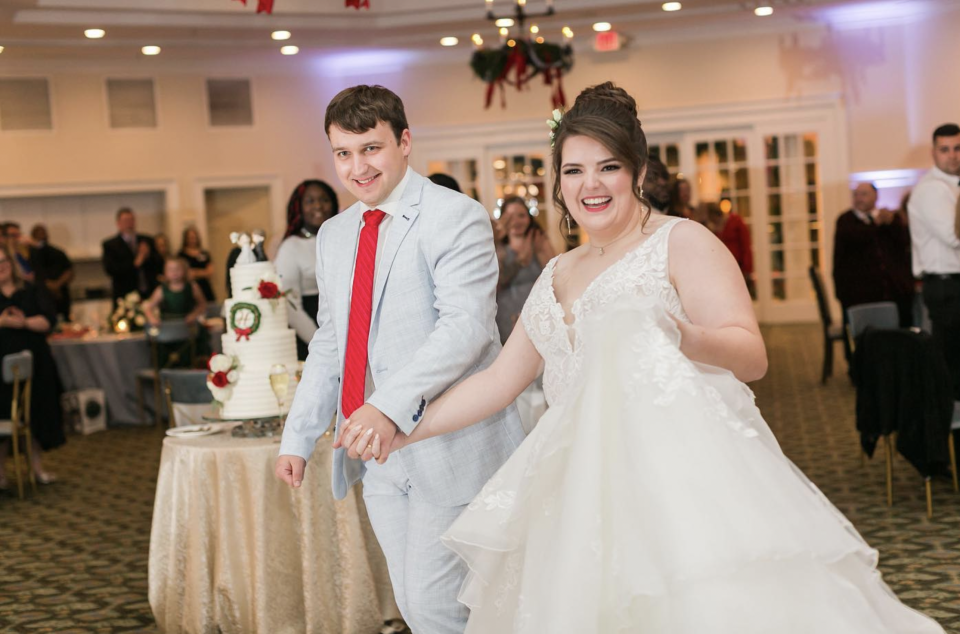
point(389, 207)
point(296, 264)
point(932, 210)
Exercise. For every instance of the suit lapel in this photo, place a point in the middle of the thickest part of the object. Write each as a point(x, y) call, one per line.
point(407, 212)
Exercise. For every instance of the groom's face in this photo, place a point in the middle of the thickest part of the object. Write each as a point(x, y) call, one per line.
point(372, 163)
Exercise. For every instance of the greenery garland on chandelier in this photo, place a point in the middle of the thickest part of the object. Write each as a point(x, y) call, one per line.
point(517, 65)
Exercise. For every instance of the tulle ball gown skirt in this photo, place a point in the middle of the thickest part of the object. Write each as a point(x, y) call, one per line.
point(655, 500)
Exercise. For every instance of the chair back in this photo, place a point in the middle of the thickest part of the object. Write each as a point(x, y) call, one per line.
point(187, 386)
point(880, 315)
point(18, 366)
point(172, 331)
point(187, 395)
point(822, 305)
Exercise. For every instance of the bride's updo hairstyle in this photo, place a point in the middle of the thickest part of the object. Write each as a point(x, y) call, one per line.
point(608, 115)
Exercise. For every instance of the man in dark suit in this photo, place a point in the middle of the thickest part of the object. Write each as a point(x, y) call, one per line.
point(53, 268)
point(131, 259)
point(871, 256)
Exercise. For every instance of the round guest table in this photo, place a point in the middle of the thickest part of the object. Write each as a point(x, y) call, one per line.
point(233, 549)
point(108, 362)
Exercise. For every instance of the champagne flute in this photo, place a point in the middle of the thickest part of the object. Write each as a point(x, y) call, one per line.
point(280, 383)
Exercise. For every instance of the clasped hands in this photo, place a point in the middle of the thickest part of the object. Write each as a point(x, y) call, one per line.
point(13, 317)
point(368, 433)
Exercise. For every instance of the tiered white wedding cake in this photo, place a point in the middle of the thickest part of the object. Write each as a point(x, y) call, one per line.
point(258, 338)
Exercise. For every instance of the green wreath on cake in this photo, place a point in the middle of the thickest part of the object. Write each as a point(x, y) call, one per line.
point(244, 320)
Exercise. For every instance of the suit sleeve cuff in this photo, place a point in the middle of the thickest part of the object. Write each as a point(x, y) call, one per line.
point(293, 445)
point(404, 418)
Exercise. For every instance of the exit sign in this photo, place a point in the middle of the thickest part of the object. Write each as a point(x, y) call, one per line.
point(607, 41)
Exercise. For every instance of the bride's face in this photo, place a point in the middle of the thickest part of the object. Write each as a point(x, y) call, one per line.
point(597, 188)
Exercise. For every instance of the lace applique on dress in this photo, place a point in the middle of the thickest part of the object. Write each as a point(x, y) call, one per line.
point(643, 271)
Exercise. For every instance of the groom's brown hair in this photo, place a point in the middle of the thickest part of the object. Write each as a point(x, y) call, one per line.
point(361, 108)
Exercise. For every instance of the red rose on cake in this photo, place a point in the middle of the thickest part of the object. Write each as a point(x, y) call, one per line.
point(268, 289)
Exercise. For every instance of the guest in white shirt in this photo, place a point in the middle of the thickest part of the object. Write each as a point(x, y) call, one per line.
point(935, 246)
point(312, 203)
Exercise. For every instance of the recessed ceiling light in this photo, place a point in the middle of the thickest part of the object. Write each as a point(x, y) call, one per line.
point(600, 27)
point(280, 35)
point(290, 50)
point(150, 50)
point(763, 11)
point(672, 6)
point(540, 40)
point(534, 29)
point(1, 49)
point(449, 41)
point(94, 34)
point(504, 31)
point(511, 43)
point(567, 32)
point(504, 22)
point(477, 40)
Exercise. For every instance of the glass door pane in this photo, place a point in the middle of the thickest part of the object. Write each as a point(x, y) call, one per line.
point(794, 219)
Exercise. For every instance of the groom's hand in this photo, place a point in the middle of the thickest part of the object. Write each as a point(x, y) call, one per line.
point(365, 426)
point(290, 469)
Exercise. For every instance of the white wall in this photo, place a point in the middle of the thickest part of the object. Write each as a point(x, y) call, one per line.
point(896, 82)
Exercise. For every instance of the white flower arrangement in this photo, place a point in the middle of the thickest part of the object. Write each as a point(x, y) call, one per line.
point(128, 315)
point(554, 124)
point(222, 377)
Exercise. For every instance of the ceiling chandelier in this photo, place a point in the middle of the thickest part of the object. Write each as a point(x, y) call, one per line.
point(521, 57)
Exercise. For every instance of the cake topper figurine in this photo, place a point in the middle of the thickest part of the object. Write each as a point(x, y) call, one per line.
point(243, 240)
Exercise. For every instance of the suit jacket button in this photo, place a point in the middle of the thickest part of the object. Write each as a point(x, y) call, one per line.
point(416, 417)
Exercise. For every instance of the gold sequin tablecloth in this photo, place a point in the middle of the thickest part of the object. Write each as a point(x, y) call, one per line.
point(233, 549)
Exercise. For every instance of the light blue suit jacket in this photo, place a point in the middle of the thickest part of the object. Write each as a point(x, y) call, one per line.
point(433, 324)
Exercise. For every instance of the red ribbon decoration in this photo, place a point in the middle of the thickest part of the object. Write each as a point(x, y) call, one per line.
point(358, 4)
point(263, 6)
point(243, 333)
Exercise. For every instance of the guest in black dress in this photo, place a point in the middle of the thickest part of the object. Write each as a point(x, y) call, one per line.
point(201, 266)
point(312, 203)
point(26, 316)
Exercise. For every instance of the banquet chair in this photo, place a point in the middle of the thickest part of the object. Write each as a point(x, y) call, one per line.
point(181, 338)
point(187, 396)
point(18, 370)
point(954, 427)
point(831, 333)
point(882, 315)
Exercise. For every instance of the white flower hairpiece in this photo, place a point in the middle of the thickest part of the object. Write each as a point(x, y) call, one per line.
point(554, 124)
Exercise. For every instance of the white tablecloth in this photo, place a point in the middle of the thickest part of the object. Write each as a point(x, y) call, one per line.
point(233, 549)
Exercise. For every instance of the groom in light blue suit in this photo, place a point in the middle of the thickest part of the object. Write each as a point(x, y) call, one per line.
point(431, 324)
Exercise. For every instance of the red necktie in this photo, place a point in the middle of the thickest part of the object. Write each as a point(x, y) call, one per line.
point(361, 304)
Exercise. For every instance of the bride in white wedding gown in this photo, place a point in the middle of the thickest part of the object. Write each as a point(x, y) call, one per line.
point(651, 497)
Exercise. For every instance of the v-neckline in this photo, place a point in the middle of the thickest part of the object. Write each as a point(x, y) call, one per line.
point(593, 282)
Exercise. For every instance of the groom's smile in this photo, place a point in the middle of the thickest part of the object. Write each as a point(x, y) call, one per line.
point(370, 163)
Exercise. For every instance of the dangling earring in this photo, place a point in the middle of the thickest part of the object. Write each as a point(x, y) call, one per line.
point(641, 192)
point(566, 217)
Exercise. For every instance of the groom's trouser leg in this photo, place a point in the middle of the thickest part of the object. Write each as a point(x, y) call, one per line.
point(388, 509)
point(425, 574)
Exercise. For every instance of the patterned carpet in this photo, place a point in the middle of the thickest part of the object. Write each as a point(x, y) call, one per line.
point(73, 558)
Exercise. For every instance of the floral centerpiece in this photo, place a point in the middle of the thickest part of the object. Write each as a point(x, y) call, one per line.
point(222, 377)
point(128, 315)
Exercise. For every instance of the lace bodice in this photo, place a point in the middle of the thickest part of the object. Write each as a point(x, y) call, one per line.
point(643, 271)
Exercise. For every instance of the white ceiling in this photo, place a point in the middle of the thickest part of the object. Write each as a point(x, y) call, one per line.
point(204, 29)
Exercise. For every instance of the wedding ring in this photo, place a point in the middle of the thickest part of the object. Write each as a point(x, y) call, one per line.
point(370, 447)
